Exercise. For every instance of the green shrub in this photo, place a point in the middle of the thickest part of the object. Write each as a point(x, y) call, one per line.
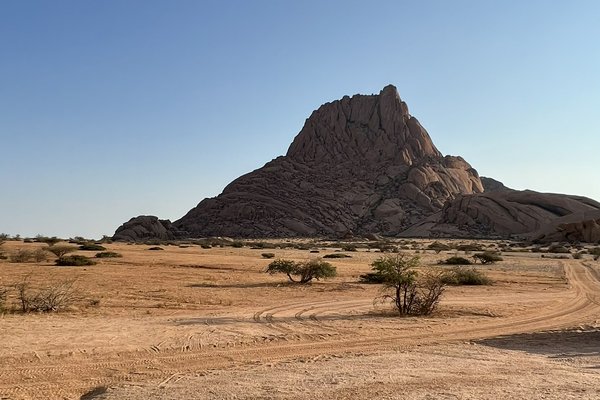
point(307, 271)
point(237, 244)
point(455, 260)
point(337, 255)
point(92, 247)
point(155, 248)
point(74, 261)
point(487, 257)
point(578, 256)
point(349, 247)
point(268, 255)
point(108, 254)
point(465, 276)
point(410, 296)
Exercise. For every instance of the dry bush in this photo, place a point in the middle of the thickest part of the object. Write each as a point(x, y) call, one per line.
point(51, 298)
point(25, 256)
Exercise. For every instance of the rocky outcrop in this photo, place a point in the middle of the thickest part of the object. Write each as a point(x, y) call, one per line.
point(577, 227)
point(361, 164)
point(512, 212)
point(492, 185)
point(145, 227)
point(364, 166)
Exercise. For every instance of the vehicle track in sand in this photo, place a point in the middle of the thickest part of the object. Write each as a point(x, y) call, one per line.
point(67, 377)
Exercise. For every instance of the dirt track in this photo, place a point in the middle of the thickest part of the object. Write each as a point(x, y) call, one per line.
point(335, 321)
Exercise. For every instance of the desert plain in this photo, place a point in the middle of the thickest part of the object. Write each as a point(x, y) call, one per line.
point(188, 322)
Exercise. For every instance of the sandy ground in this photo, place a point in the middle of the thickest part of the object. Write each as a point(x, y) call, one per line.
point(193, 323)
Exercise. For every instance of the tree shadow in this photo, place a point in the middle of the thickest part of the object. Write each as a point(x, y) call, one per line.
point(575, 343)
point(241, 285)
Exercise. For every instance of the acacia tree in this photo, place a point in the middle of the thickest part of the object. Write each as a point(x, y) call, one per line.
point(306, 271)
point(487, 257)
point(410, 294)
point(60, 250)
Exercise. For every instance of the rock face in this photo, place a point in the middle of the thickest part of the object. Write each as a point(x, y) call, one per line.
point(492, 185)
point(145, 227)
point(512, 212)
point(361, 164)
point(577, 227)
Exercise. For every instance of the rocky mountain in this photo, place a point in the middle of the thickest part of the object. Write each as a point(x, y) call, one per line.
point(362, 165)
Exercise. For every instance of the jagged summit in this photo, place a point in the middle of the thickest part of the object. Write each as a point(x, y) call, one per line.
point(372, 129)
point(361, 164)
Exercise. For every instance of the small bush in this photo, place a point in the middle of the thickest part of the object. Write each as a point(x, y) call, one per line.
point(487, 257)
point(438, 247)
point(3, 295)
point(465, 276)
point(108, 254)
point(268, 255)
point(156, 248)
point(92, 247)
point(578, 256)
point(307, 271)
point(237, 244)
point(206, 246)
point(74, 261)
point(558, 249)
point(337, 255)
point(372, 277)
point(456, 261)
point(595, 252)
point(349, 247)
point(469, 247)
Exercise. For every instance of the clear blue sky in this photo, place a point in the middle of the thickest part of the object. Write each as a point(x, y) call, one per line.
point(112, 109)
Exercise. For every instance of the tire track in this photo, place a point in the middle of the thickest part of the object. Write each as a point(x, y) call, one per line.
point(53, 377)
